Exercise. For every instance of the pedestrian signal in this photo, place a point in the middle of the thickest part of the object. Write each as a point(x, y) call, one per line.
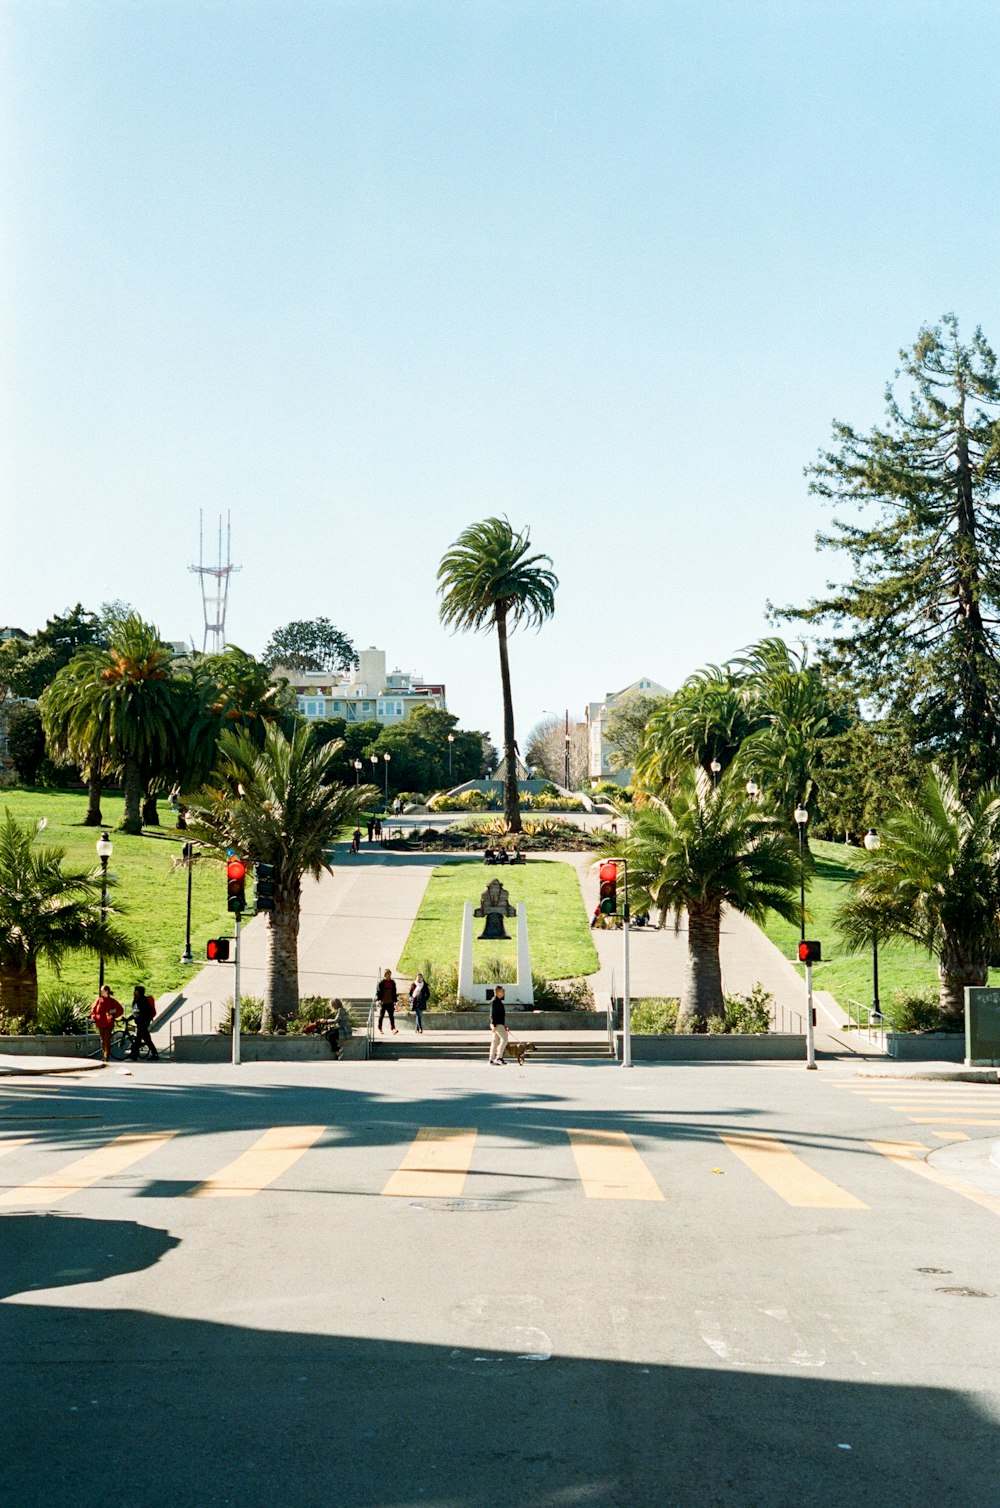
point(217, 949)
point(810, 951)
point(263, 887)
point(608, 876)
point(236, 876)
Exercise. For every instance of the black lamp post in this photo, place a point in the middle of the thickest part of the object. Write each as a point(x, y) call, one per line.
point(872, 842)
point(357, 771)
point(451, 740)
point(189, 856)
point(801, 818)
point(715, 767)
point(105, 849)
point(387, 757)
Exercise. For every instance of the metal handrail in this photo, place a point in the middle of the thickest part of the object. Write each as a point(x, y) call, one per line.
point(176, 1027)
point(878, 1036)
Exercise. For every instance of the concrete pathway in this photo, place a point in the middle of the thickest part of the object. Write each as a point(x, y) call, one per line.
point(354, 924)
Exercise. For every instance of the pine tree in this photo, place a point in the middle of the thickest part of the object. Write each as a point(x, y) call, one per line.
point(917, 625)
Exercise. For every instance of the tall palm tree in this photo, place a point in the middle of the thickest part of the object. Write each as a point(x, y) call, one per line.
point(277, 804)
point(488, 580)
point(46, 911)
point(245, 693)
point(935, 879)
point(698, 849)
point(708, 718)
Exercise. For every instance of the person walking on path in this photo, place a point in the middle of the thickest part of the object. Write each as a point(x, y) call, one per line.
point(498, 1027)
point(386, 994)
point(104, 1012)
point(356, 840)
point(378, 829)
point(143, 1011)
point(371, 827)
point(418, 999)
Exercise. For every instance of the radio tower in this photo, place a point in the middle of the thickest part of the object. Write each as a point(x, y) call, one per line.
point(214, 587)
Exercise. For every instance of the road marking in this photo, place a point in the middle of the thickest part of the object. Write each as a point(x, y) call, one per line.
point(271, 1155)
point(104, 1162)
point(13, 1144)
point(610, 1167)
point(436, 1164)
point(910, 1154)
point(784, 1172)
point(954, 1120)
point(950, 1135)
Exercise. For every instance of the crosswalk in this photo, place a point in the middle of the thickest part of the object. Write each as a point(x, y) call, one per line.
point(438, 1162)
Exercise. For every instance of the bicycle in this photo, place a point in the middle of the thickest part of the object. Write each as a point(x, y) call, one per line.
point(123, 1041)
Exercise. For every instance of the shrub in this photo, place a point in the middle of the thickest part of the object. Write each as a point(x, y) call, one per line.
point(63, 1012)
point(13, 1026)
point(914, 1012)
point(251, 1010)
point(654, 1016)
point(466, 801)
point(561, 994)
point(750, 1014)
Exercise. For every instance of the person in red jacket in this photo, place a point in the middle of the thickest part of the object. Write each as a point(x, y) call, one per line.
point(104, 1012)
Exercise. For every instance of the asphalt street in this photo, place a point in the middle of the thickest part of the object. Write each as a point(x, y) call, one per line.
point(448, 1284)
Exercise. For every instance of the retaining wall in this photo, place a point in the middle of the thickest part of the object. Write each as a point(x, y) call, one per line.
point(922, 1047)
point(715, 1048)
point(256, 1048)
point(517, 1017)
point(52, 1047)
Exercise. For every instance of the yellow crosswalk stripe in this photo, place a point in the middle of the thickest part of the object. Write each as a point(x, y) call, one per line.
point(435, 1165)
point(954, 1120)
point(610, 1167)
point(784, 1172)
point(13, 1144)
point(910, 1154)
point(104, 1162)
point(951, 1135)
point(271, 1155)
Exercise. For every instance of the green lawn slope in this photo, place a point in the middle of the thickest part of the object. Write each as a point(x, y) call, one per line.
point(848, 976)
point(152, 895)
point(558, 928)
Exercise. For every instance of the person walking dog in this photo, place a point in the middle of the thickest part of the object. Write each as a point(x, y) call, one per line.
point(387, 994)
point(104, 1012)
point(143, 1011)
point(498, 1027)
point(418, 999)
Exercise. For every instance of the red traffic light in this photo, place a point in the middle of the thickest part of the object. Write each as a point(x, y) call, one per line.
point(236, 869)
point(217, 949)
point(810, 951)
point(608, 873)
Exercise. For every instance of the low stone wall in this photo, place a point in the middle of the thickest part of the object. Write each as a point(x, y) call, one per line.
point(257, 1048)
point(920, 1047)
point(51, 1047)
point(714, 1047)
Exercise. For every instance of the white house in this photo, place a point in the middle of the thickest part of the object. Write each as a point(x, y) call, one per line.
point(365, 694)
point(600, 748)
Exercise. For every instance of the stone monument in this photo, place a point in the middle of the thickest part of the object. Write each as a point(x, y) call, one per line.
point(494, 907)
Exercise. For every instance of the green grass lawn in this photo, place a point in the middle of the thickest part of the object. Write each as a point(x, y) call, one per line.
point(558, 928)
point(848, 976)
point(152, 896)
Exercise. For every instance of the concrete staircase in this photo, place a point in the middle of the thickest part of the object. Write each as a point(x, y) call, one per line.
point(566, 1047)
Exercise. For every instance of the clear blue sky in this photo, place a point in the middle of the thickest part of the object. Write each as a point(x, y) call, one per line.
point(363, 273)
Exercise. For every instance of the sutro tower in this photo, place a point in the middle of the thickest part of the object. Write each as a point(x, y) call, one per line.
point(214, 587)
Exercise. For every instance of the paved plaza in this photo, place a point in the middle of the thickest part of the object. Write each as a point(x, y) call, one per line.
point(400, 1284)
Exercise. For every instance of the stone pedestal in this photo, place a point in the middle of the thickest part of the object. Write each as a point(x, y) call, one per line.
point(521, 993)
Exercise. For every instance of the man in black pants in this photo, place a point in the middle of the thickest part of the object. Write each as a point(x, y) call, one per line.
point(498, 1026)
point(143, 1011)
point(386, 997)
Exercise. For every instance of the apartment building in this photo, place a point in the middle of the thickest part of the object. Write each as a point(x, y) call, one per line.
point(366, 694)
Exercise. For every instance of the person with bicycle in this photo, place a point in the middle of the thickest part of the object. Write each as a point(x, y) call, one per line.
point(143, 1011)
point(104, 1012)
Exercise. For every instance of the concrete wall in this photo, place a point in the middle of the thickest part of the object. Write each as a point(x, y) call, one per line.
point(715, 1048)
point(517, 1019)
point(52, 1047)
point(255, 1048)
point(920, 1047)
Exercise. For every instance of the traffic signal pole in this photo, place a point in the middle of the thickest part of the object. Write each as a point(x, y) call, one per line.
point(236, 997)
point(627, 996)
point(810, 1043)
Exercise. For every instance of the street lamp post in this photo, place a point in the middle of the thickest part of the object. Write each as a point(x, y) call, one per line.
point(801, 818)
point(872, 842)
point(451, 740)
point(374, 760)
point(357, 771)
point(387, 757)
point(715, 767)
point(566, 767)
point(753, 789)
point(189, 857)
point(105, 849)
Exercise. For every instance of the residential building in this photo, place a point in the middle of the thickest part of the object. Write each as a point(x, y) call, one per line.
point(364, 694)
point(600, 748)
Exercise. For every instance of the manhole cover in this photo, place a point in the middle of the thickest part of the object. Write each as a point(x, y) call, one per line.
point(937, 1271)
point(965, 1293)
point(461, 1206)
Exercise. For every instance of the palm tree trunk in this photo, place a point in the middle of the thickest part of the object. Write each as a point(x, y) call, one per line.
point(150, 816)
point(132, 820)
point(19, 993)
point(955, 971)
point(281, 990)
point(702, 994)
point(511, 803)
point(95, 788)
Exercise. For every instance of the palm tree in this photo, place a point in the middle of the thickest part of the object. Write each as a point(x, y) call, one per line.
point(129, 692)
point(76, 720)
point(46, 911)
point(708, 718)
point(278, 805)
point(489, 580)
point(245, 693)
point(698, 849)
point(935, 879)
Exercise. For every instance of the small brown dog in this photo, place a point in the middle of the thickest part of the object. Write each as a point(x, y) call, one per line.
point(520, 1050)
